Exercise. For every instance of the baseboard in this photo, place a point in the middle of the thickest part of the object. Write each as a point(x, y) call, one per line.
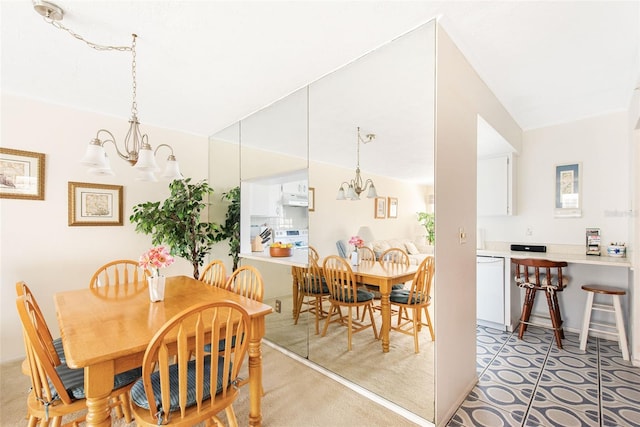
point(454, 408)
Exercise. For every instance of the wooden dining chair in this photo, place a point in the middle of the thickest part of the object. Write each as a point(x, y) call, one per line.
point(344, 292)
point(247, 282)
point(214, 274)
point(54, 346)
point(313, 287)
point(535, 275)
point(118, 272)
point(56, 389)
point(417, 300)
point(366, 254)
point(396, 255)
point(199, 385)
point(313, 253)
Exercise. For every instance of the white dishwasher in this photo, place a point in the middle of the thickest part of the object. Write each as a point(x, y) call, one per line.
point(490, 304)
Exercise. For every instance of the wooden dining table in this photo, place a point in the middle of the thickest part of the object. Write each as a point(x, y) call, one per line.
point(384, 275)
point(106, 331)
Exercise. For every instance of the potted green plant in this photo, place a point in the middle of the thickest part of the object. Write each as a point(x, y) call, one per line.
point(177, 222)
point(428, 221)
point(231, 228)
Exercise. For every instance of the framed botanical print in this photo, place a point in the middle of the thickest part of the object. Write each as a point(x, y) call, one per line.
point(380, 207)
point(95, 204)
point(21, 174)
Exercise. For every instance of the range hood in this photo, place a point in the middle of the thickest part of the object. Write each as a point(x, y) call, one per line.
point(289, 199)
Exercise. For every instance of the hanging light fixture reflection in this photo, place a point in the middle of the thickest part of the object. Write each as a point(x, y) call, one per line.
point(351, 190)
point(137, 149)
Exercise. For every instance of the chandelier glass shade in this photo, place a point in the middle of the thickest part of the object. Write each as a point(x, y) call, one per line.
point(351, 190)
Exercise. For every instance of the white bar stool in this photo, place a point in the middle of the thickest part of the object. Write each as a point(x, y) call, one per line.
point(604, 328)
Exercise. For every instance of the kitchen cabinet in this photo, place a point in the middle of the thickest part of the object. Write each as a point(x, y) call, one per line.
point(490, 290)
point(265, 200)
point(297, 188)
point(496, 184)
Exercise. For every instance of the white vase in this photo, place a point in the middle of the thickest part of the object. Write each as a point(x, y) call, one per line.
point(354, 258)
point(156, 288)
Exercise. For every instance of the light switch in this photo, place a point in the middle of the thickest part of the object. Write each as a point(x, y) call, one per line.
point(462, 236)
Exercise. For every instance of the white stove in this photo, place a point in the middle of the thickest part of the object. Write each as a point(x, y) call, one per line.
point(299, 237)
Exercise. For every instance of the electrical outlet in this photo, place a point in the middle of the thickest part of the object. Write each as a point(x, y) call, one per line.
point(278, 306)
point(529, 231)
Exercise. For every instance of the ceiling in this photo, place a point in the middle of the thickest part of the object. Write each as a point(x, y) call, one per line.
point(203, 65)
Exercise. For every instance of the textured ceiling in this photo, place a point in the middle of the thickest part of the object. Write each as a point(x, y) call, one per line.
point(203, 65)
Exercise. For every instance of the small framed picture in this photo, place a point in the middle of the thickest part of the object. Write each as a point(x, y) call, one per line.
point(567, 179)
point(380, 207)
point(392, 206)
point(94, 204)
point(21, 174)
point(312, 199)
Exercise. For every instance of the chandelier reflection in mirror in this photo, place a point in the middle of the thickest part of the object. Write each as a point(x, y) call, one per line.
point(356, 186)
point(137, 149)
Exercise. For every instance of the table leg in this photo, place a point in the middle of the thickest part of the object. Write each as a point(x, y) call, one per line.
point(255, 371)
point(294, 292)
point(385, 308)
point(98, 383)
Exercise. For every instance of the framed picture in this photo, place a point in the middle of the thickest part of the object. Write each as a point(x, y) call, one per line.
point(392, 206)
point(21, 174)
point(95, 204)
point(567, 179)
point(380, 207)
point(312, 199)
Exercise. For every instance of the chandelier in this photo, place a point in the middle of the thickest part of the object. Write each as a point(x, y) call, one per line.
point(356, 186)
point(137, 150)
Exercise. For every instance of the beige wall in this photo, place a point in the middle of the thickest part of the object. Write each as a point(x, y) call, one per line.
point(460, 96)
point(36, 244)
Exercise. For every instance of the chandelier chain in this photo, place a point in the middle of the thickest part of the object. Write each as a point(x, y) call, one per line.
point(95, 46)
point(134, 103)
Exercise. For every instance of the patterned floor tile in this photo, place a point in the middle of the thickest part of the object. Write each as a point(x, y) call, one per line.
point(573, 361)
point(621, 416)
point(506, 398)
point(583, 378)
point(620, 376)
point(578, 399)
point(479, 414)
point(556, 415)
point(515, 378)
point(620, 394)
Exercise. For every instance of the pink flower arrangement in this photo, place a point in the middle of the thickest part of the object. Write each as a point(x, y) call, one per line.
point(356, 241)
point(155, 259)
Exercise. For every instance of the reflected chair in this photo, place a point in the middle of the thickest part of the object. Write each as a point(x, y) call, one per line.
point(344, 292)
point(118, 272)
point(398, 256)
point(199, 385)
point(417, 300)
point(366, 254)
point(313, 254)
point(535, 275)
point(214, 274)
point(56, 389)
point(311, 285)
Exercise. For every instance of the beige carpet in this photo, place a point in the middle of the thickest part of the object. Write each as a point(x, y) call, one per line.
point(296, 396)
point(400, 376)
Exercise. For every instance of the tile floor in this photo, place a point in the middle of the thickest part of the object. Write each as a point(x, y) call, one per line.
point(531, 382)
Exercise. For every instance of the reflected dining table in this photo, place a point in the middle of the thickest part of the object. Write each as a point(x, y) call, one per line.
point(383, 275)
point(106, 331)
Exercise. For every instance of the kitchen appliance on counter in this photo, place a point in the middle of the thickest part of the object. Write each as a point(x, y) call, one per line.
point(298, 237)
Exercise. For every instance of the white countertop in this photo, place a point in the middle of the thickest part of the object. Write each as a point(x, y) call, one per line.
point(558, 256)
point(300, 257)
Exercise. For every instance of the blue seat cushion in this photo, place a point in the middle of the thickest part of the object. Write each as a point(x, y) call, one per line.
point(57, 344)
point(139, 397)
point(325, 288)
point(402, 297)
point(397, 287)
point(361, 296)
point(73, 380)
point(221, 345)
